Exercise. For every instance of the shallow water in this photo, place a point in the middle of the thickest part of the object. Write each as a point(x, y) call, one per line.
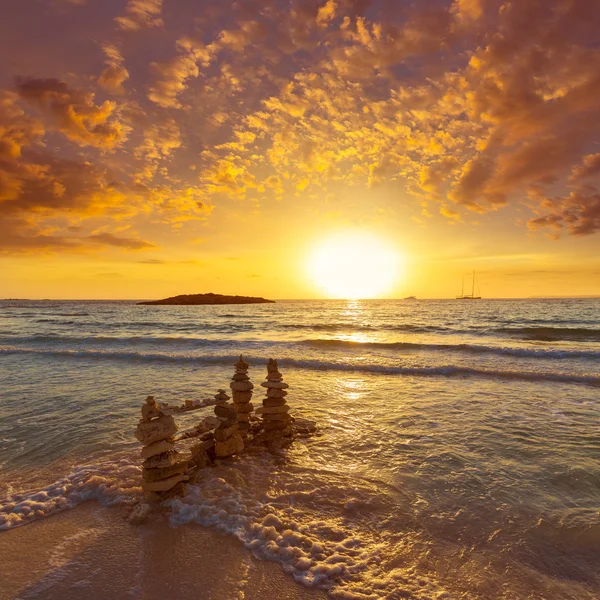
point(458, 453)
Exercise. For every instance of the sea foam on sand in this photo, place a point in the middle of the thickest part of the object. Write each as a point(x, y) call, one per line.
point(109, 482)
point(304, 525)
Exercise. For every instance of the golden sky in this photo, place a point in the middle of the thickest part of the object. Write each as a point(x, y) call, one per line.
point(156, 147)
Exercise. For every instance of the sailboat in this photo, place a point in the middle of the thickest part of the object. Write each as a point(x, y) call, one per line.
point(472, 295)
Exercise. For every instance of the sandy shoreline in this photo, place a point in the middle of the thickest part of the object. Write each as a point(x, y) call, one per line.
point(92, 552)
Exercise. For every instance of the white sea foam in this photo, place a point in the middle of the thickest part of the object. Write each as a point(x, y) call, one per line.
point(110, 482)
point(280, 522)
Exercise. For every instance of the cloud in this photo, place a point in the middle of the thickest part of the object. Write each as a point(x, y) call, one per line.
point(73, 112)
point(140, 14)
point(113, 76)
point(173, 75)
point(108, 239)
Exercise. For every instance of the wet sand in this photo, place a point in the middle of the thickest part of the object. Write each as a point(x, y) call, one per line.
point(92, 552)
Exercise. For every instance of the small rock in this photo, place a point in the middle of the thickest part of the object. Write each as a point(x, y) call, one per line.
point(140, 514)
point(231, 446)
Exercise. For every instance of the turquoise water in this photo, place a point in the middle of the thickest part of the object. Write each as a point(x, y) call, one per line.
point(458, 454)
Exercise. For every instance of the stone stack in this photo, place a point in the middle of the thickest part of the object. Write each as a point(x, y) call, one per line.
point(241, 389)
point(162, 468)
point(274, 411)
point(227, 439)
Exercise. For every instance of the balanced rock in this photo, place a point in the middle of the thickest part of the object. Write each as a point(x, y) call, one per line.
point(164, 485)
point(221, 435)
point(230, 446)
point(276, 385)
point(241, 386)
point(276, 417)
point(221, 397)
point(150, 409)
point(157, 448)
point(272, 410)
point(225, 411)
point(166, 459)
point(275, 393)
point(269, 402)
point(161, 428)
point(150, 475)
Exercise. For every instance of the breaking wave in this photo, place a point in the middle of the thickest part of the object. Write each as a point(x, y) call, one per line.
point(470, 348)
point(321, 365)
point(553, 334)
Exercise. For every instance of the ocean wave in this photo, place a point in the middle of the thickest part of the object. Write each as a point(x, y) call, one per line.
point(110, 482)
point(550, 353)
point(553, 334)
point(351, 327)
point(94, 340)
point(439, 370)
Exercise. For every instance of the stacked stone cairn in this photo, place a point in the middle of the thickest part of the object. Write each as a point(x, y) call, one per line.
point(227, 439)
point(274, 411)
point(241, 390)
point(163, 468)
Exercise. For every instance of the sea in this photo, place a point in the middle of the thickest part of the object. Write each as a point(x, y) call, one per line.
point(457, 452)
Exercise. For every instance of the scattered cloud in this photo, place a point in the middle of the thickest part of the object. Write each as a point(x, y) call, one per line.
point(73, 112)
point(140, 14)
point(113, 76)
point(463, 106)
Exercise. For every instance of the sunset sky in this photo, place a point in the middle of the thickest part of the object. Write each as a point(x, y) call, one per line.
point(156, 147)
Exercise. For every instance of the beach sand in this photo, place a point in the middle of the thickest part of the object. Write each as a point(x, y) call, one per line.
point(92, 552)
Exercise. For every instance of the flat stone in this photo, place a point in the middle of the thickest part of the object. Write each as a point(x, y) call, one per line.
point(210, 422)
point(276, 417)
point(225, 411)
point(166, 459)
point(242, 397)
point(150, 475)
point(158, 429)
point(269, 402)
point(227, 422)
point(275, 385)
point(221, 396)
point(241, 386)
point(271, 425)
point(273, 393)
point(231, 446)
point(272, 410)
point(222, 433)
point(243, 417)
point(240, 377)
point(244, 426)
point(247, 407)
point(157, 448)
point(165, 484)
point(304, 425)
point(275, 376)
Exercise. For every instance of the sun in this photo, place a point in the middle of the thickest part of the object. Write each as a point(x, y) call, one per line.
point(354, 265)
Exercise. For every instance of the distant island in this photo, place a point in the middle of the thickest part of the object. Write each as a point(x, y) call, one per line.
point(201, 299)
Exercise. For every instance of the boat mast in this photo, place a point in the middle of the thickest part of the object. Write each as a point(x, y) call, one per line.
point(462, 291)
point(473, 288)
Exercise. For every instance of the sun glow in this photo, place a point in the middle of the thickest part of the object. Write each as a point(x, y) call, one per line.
point(354, 265)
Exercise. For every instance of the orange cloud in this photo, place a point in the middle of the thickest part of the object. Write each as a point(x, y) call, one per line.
point(73, 112)
point(140, 14)
point(113, 76)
